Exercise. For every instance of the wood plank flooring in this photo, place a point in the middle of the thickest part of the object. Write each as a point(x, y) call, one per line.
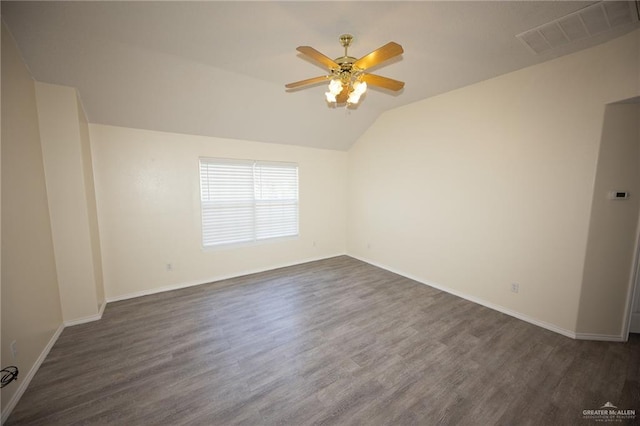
point(335, 342)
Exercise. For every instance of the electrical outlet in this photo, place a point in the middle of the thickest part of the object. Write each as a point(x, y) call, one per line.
point(14, 349)
point(515, 287)
point(169, 267)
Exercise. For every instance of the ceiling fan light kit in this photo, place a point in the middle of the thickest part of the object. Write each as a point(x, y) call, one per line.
point(347, 77)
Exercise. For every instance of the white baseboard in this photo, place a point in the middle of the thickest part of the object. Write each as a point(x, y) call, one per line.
point(213, 279)
point(600, 337)
point(495, 307)
point(90, 318)
point(23, 381)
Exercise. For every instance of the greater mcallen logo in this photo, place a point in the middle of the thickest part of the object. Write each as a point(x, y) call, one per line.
point(609, 413)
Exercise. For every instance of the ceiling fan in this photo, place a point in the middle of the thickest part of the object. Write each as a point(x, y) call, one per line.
point(348, 79)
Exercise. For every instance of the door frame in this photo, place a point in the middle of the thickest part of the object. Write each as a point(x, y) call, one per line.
point(634, 288)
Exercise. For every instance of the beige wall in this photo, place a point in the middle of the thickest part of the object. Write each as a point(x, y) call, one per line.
point(492, 184)
point(66, 175)
point(612, 231)
point(31, 313)
point(147, 190)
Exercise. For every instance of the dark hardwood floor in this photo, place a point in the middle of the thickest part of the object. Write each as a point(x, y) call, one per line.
point(335, 342)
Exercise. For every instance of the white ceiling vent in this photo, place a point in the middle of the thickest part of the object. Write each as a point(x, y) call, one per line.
point(587, 22)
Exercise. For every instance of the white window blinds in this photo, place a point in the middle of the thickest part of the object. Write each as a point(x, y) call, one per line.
point(244, 200)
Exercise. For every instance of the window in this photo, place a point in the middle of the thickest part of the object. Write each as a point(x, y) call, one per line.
point(246, 201)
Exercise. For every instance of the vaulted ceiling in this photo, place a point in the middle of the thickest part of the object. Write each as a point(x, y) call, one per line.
point(219, 68)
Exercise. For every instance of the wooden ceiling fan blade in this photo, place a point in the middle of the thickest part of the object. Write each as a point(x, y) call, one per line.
point(386, 52)
point(318, 57)
point(384, 82)
point(307, 82)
